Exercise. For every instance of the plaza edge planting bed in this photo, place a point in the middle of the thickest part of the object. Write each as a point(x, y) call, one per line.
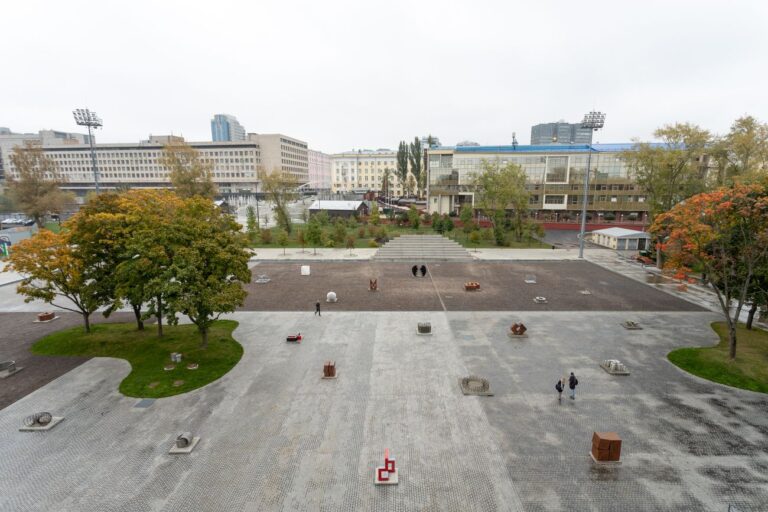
point(749, 370)
point(148, 354)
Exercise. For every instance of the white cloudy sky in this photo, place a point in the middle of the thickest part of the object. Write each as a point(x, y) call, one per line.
point(352, 74)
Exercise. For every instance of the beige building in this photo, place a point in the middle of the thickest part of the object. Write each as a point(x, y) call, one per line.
point(234, 164)
point(284, 154)
point(364, 170)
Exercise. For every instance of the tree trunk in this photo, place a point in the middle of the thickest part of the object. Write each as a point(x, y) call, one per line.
point(204, 333)
point(159, 316)
point(87, 320)
point(137, 313)
point(732, 340)
point(751, 316)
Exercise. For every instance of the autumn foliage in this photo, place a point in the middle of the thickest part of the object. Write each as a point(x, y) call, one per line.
point(723, 233)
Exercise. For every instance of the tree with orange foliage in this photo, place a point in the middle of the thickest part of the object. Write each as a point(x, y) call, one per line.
point(725, 234)
point(58, 273)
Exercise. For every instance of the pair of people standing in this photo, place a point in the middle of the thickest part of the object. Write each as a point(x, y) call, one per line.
point(572, 383)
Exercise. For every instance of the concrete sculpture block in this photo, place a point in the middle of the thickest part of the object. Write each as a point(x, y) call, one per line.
point(185, 443)
point(614, 367)
point(424, 329)
point(8, 368)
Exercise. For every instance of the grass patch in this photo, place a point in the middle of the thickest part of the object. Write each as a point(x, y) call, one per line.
point(148, 354)
point(748, 371)
point(53, 226)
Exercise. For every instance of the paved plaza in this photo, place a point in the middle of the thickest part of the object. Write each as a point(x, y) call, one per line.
point(275, 436)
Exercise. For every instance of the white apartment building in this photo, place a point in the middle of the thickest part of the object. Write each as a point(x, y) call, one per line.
point(284, 154)
point(235, 165)
point(364, 170)
point(319, 170)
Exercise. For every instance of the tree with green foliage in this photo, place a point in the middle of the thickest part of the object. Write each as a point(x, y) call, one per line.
point(448, 224)
point(466, 218)
point(416, 159)
point(402, 165)
point(742, 154)
point(34, 186)
point(211, 265)
point(150, 238)
point(314, 232)
point(280, 189)
point(375, 218)
point(386, 182)
point(282, 239)
point(499, 188)
point(413, 217)
point(58, 273)
point(322, 218)
point(474, 237)
point(251, 223)
point(339, 231)
point(266, 236)
point(189, 174)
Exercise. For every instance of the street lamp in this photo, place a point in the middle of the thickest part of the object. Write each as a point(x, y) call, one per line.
point(594, 121)
point(85, 117)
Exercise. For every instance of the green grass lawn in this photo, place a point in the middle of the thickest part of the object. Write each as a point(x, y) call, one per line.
point(148, 354)
point(393, 231)
point(748, 371)
point(53, 226)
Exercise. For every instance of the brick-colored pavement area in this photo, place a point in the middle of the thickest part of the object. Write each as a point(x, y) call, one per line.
point(502, 288)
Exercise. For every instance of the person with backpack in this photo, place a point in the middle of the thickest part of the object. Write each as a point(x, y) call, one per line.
point(559, 388)
point(572, 383)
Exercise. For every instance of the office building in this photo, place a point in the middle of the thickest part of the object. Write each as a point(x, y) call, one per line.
point(9, 139)
point(555, 179)
point(280, 153)
point(363, 170)
point(234, 165)
point(558, 133)
point(225, 128)
point(319, 170)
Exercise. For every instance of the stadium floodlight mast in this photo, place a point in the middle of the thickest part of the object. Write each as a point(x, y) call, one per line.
point(85, 117)
point(594, 121)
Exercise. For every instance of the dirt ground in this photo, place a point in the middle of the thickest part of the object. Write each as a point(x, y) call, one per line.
point(19, 332)
point(502, 288)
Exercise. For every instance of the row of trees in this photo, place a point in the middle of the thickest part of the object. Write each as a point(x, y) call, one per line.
point(411, 168)
point(153, 250)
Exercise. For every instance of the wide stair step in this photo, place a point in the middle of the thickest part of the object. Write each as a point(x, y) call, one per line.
point(414, 248)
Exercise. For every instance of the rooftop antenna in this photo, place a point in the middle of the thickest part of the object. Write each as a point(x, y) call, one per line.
point(514, 140)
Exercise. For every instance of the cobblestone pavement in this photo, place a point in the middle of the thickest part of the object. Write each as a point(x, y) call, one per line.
point(277, 437)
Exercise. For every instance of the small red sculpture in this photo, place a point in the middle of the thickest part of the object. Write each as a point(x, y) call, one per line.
point(518, 329)
point(294, 337)
point(387, 474)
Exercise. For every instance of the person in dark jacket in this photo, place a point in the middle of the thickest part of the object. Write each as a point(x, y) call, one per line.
point(559, 388)
point(572, 383)
point(317, 308)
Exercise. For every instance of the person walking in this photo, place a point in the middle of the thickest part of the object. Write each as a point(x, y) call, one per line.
point(559, 387)
point(317, 308)
point(572, 383)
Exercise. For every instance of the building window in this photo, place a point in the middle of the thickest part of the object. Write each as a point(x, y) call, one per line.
point(550, 199)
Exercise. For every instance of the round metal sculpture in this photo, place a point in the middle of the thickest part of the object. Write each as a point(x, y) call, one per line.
point(184, 439)
point(38, 419)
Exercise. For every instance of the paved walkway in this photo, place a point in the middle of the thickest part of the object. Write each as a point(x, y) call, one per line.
point(277, 437)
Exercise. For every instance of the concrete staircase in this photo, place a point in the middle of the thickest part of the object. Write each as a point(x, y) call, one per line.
point(419, 248)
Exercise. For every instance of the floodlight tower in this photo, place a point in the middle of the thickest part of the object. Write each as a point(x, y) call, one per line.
point(85, 117)
point(594, 121)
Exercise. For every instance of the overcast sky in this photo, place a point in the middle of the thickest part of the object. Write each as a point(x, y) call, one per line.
point(361, 74)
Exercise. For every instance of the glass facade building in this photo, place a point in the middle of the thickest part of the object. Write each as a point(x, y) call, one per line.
point(225, 128)
point(555, 177)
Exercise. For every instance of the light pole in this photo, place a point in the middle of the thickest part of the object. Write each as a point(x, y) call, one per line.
point(594, 121)
point(85, 117)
